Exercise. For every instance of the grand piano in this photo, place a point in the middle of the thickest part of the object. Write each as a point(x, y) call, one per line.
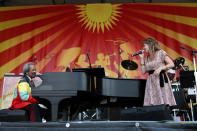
point(57, 86)
point(127, 92)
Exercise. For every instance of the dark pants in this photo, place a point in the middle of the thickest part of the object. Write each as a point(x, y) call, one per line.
point(34, 112)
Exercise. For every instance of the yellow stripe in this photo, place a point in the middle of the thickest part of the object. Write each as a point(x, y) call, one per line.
point(177, 4)
point(20, 7)
point(18, 39)
point(25, 20)
point(56, 50)
point(11, 65)
point(187, 40)
point(175, 18)
point(172, 53)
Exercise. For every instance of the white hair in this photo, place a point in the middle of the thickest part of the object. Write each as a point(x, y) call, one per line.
point(26, 67)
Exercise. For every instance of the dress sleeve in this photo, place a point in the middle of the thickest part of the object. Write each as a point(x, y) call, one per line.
point(162, 55)
point(145, 60)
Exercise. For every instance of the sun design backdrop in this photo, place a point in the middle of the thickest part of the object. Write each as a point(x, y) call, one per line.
point(61, 36)
point(98, 16)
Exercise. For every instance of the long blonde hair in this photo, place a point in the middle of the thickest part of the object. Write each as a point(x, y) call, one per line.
point(152, 44)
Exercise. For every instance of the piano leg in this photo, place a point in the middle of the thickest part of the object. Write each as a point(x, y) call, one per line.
point(54, 106)
point(54, 111)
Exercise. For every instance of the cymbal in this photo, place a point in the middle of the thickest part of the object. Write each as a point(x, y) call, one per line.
point(129, 65)
point(178, 62)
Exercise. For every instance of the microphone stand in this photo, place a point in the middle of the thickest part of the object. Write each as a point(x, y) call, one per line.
point(35, 61)
point(195, 75)
point(89, 60)
point(119, 53)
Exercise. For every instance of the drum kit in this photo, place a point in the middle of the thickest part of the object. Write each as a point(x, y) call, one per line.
point(178, 63)
point(126, 64)
point(131, 65)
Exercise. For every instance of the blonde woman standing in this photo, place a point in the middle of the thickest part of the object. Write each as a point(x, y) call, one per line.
point(158, 87)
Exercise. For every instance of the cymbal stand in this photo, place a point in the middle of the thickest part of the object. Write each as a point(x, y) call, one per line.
point(182, 67)
point(195, 75)
point(126, 74)
point(119, 52)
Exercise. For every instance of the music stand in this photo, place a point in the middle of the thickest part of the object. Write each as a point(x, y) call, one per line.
point(98, 73)
point(187, 79)
point(92, 71)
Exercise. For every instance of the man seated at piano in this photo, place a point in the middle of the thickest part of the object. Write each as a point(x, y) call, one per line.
point(22, 94)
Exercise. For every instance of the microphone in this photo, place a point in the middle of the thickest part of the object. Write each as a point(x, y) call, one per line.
point(139, 52)
point(35, 60)
point(182, 47)
point(192, 51)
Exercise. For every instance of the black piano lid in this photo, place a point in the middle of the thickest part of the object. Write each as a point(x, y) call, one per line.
point(92, 71)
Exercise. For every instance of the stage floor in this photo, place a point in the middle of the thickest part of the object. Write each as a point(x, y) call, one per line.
point(100, 126)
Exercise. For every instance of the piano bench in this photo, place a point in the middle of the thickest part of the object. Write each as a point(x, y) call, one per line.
point(7, 115)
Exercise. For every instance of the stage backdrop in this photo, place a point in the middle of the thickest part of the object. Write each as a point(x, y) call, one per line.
point(60, 36)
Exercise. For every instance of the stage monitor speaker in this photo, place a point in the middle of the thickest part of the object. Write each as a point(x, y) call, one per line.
point(110, 113)
point(147, 113)
point(7, 115)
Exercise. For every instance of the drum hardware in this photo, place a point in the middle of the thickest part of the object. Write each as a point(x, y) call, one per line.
point(182, 105)
point(178, 63)
point(177, 86)
point(193, 52)
point(126, 74)
point(129, 65)
point(191, 91)
point(90, 114)
point(175, 111)
point(118, 42)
